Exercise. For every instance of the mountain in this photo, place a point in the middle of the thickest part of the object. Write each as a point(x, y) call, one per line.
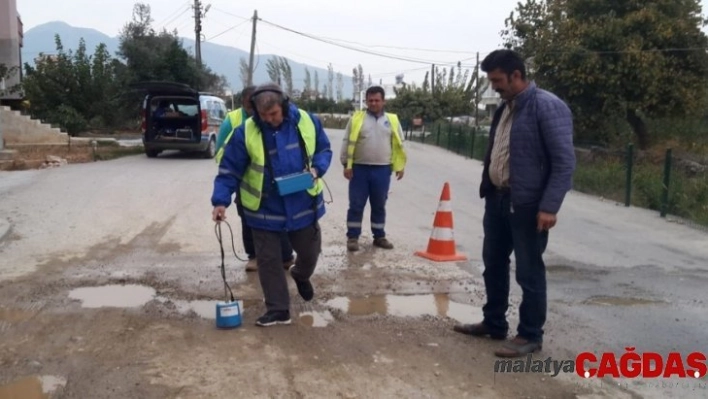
point(223, 60)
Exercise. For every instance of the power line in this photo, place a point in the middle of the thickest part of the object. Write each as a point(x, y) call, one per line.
point(232, 14)
point(384, 55)
point(172, 17)
point(227, 30)
point(401, 48)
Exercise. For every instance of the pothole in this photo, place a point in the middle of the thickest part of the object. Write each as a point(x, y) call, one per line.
point(118, 296)
point(35, 387)
point(135, 296)
point(438, 305)
point(619, 301)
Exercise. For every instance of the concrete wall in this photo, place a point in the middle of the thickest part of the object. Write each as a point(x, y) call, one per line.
point(21, 129)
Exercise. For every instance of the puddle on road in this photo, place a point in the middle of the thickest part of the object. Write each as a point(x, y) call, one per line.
point(407, 306)
point(32, 387)
point(316, 319)
point(619, 301)
point(119, 296)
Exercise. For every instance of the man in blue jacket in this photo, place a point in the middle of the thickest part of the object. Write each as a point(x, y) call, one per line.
point(278, 142)
point(233, 120)
point(528, 169)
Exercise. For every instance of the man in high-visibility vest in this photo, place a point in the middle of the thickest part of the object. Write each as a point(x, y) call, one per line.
point(280, 141)
point(233, 120)
point(371, 151)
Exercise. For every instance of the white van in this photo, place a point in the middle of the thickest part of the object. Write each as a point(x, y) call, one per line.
point(177, 117)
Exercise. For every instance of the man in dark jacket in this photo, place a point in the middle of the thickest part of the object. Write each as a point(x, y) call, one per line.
point(528, 169)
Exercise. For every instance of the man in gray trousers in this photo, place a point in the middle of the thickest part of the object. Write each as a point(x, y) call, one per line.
point(279, 141)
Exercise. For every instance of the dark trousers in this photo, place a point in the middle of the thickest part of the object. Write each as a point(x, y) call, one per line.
point(508, 229)
point(247, 235)
point(370, 183)
point(307, 244)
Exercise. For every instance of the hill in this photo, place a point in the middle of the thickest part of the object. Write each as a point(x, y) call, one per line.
point(223, 60)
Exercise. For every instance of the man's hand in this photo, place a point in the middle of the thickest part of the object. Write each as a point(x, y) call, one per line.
point(545, 221)
point(399, 175)
point(348, 174)
point(218, 214)
point(313, 171)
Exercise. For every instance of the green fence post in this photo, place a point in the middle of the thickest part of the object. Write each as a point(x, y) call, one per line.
point(437, 141)
point(474, 137)
point(628, 185)
point(449, 135)
point(667, 180)
point(460, 138)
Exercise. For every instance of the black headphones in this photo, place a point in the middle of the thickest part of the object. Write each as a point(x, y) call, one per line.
point(284, 99)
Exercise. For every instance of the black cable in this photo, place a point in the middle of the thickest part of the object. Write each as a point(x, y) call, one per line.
point(217, 231)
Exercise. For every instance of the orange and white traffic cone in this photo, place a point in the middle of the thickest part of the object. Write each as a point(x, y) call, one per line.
point(441, 245)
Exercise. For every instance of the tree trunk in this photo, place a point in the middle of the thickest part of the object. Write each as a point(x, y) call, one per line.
point(639, 127)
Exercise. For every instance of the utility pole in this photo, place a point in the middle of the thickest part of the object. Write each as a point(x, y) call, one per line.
point(476, 96)
point(253, 48)
point(198, 15)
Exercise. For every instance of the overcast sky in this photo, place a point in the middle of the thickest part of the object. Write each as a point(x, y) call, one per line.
point(456, 29)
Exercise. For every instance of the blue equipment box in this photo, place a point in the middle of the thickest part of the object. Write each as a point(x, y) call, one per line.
point(295, 182)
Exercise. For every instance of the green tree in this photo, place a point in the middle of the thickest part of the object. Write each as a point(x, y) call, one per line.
point(287, 74)
point(307, 92)
point(150, 55)
point(73, 90)
point(615, 59)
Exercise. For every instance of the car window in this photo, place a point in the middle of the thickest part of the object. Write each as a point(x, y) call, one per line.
point(189, 109)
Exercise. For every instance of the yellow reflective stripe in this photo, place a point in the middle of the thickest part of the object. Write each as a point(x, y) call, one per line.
point(250, 189)
point(256, 168)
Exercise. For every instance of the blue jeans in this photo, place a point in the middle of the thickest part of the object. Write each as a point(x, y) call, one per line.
point(508, 229)
point(370, 183)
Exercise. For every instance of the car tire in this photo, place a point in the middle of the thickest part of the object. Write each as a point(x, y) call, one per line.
point(152, 153)
point(211, 149)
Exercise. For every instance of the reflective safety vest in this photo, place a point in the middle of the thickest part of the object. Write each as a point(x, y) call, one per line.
point(236, 117)
point(398, 155)
point(251, 190)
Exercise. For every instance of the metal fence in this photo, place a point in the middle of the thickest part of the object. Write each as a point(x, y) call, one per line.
point(469, 141)
point(667, 182)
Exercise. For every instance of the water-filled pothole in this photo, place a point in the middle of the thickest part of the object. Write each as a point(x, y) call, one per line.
point(407, 306)
point(133, 296)
point(118, 296)
point(36, 387)
point(316, 319)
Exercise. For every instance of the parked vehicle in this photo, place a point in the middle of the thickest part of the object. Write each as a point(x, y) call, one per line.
point(178, 117)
